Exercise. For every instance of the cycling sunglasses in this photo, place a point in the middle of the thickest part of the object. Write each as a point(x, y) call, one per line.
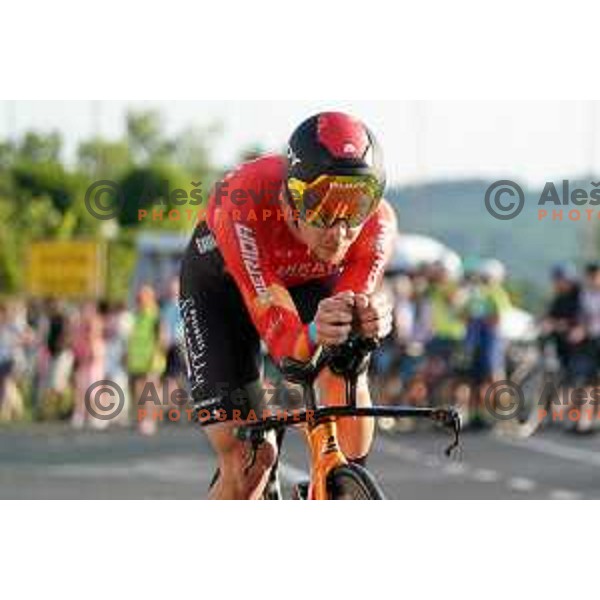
point(330, 198)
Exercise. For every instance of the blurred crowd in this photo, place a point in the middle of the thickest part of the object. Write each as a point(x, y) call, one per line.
point(456, 334)
point(53, 352)
point(571, 328)
point(452, 339)
point(444, 323)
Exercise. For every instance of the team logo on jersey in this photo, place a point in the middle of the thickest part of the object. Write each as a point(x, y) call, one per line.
point(250, 256)
point(196, 331)
point(206, 243)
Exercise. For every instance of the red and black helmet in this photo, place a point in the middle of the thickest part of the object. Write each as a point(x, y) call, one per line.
point(335, 170)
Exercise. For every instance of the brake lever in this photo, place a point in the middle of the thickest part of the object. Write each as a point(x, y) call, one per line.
point(449, 417)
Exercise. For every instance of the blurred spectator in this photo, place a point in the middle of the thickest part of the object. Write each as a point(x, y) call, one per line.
point(386, 359)
point(89, 353)
point(36, 356)
point(57, 384)
point(11, 402)
point(445, 299)
point(422, 306)
point(562, 314)
point(585, 340)
point(487, 303)
point(172, 338)
point(117, 329)
point(145, 360)
point(397, 364)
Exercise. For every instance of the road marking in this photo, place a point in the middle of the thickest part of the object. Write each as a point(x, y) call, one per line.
point(92, 471)
point(521, 484)
point(564, 495)
point(460, 469)
point(480, 475)
point(175, 470)
point(486, 475)
point(431, 461)
point(398, 449)
point(455, 468)
point(172, 470)
point(451, 468)
point(555, 449)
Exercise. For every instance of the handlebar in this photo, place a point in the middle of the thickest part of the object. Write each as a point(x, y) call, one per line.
point(346, 360)
point(447, 417)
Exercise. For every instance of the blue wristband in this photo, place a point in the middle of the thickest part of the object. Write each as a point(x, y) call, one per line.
point(312, 332)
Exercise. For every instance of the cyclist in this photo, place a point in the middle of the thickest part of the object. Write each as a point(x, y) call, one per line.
point(292, 253)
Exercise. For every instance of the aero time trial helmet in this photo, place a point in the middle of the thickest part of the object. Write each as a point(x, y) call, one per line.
point(335, 170)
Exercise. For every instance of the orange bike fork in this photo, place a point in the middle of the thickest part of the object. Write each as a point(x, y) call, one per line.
point(325, 455)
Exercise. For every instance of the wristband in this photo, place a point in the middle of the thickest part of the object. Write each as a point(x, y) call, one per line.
point(312, 332)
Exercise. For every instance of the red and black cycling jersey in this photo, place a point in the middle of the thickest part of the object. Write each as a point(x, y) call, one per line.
point(264, 257)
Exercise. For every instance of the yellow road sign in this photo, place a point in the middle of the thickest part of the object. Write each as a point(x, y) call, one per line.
point(73, 269)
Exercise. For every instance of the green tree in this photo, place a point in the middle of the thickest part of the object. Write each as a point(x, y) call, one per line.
point(38, 147)
point(49, 178)
point(156, 188)
point(192, 150)
point(7, 155)
point(43, 198)
point(103, 159)
point(146, 138)
point(20, 224)
point(121, 259)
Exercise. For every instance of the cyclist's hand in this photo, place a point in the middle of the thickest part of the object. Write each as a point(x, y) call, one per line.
point(374, 315)
point(334, 319)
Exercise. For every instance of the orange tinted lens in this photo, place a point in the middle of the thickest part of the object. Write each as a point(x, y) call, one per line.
point(328, 200)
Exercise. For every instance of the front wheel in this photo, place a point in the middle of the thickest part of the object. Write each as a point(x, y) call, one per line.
point(352, 482)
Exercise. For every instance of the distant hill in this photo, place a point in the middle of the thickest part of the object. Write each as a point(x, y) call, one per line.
point(455, 213)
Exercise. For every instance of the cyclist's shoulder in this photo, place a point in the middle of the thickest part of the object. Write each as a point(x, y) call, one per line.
point(259, 171)
point(245, 191)
point(376, 240)
point(382, 225)
point(385, 212)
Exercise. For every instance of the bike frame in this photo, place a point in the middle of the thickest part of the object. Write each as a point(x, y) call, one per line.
point(322, 438)
point(321, 421)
